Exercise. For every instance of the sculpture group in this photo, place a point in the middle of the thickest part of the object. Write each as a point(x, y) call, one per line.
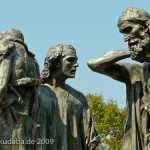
point(36, 107)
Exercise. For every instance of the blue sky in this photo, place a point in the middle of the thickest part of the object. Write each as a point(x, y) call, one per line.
point(90, 26)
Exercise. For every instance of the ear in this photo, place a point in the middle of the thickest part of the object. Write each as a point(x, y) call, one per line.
point(56, 63)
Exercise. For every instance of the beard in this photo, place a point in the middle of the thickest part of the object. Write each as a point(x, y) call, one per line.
point(140, 48)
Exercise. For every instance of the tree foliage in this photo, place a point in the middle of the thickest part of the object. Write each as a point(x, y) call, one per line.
point(109, 120)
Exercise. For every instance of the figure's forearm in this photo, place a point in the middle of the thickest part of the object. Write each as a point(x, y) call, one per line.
point(108, 59)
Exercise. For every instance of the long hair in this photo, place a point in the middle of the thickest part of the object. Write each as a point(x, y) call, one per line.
point(55, 53)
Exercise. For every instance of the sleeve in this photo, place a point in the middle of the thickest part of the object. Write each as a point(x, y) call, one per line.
point(92, 138)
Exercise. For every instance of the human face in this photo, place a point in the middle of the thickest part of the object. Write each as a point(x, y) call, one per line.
point(131, 31)
point(134, 34)
point(69, 63)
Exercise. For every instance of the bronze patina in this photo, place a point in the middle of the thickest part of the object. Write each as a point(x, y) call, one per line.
point(19, 78)
point(64, 111)
point(134, 23)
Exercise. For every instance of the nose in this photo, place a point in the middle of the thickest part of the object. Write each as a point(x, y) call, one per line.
point(126, 37)
point(76, 65)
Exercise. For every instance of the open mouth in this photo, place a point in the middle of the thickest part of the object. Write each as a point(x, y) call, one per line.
point(133, 42)
point(73, 71)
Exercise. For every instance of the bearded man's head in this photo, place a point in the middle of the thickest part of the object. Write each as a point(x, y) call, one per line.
point(134, 23)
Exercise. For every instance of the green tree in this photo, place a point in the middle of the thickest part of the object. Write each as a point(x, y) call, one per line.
point(109, 120)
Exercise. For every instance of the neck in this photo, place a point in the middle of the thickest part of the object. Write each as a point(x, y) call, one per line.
point(56, 81)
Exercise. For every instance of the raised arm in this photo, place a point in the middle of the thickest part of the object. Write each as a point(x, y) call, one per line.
point(107, 64)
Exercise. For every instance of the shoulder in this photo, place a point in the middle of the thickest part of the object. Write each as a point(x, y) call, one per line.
point(77, 94)
point(133, 73)
point(45, 96)
point(134, 69)
point(43, 89)
point(130, 66)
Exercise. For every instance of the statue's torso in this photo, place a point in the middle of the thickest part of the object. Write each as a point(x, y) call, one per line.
point(62, 119)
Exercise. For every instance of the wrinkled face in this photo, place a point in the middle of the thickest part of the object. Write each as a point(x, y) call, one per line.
point(69, 63)
point(138, 41)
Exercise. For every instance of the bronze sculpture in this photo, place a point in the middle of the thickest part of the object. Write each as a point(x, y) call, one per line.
point(64, 111)
point(19, 78)
point(134, 23)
